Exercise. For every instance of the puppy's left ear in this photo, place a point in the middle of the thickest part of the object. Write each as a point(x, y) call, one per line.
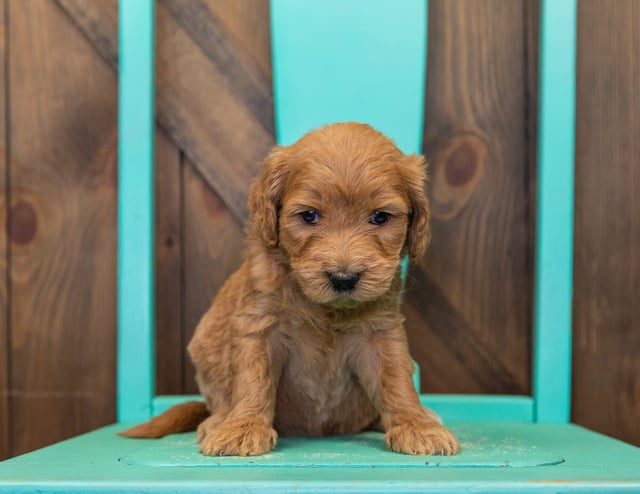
point(414, 171)
point(266, 193)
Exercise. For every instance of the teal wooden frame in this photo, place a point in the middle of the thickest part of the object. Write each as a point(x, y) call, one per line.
point(396, 113)
point(554, 233)
point(136, 306)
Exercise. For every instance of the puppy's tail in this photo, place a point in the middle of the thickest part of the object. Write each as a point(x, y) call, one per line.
point(179, 418)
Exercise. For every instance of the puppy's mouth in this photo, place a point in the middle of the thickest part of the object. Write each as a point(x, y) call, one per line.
point(342, 288)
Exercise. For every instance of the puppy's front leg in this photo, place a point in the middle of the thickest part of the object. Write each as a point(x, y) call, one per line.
point(248, 429)
point(385, 370)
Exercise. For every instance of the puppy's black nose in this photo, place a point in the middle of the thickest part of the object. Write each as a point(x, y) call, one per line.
point(343, 282)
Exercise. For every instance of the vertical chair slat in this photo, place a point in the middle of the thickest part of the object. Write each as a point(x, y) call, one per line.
point(554, 242)
point(135, 211)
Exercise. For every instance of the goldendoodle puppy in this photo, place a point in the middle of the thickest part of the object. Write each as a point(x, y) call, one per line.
point(307, 337)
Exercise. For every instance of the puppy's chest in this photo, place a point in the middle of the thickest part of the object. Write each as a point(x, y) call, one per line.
point(317, 378)
point(320, 361)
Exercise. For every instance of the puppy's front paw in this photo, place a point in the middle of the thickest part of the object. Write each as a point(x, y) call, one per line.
point(422, 439)
point(211, 423)
point(239, 437)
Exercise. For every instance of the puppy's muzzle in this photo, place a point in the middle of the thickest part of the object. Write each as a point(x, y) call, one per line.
point(343, 282)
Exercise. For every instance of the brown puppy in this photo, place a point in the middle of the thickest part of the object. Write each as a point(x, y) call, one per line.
point(307, 338)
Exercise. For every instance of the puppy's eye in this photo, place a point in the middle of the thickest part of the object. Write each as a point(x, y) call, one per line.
point(379, 217)
point(310, 217)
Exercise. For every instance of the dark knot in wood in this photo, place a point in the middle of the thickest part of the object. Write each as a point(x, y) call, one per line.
point(456, 173)
point(461, 165)
point(23, 223)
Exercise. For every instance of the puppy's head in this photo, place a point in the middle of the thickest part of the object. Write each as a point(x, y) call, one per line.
point(343, 204)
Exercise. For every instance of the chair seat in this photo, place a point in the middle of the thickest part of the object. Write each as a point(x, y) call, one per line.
point(496, 456)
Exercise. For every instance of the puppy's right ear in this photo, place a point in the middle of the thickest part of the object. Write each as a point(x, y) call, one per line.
point(266, 193)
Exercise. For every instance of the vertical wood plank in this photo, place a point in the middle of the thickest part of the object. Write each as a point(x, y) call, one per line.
point(476, 141)
point(606, 384)
point(213, 245)
point(63, 235)
point(170, 347)
point(5, 362)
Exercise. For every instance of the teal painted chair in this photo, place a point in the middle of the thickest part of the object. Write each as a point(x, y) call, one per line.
point(511, 443)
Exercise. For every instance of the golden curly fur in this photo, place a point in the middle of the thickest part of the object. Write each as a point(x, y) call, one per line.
point(307, 338)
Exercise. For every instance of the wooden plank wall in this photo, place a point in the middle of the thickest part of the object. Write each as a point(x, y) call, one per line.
point(469, 303)
point(62, 137)
point(468, 308)
point(5, 362)
point(606, 391)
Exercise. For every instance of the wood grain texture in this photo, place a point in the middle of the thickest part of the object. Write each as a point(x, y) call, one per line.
point(5, 446)
point(247, 23)
point(249, 86)
point(98, 21)
point(451, 338)
point(213, 99)
point(62, 229)
point(196, 51)
point(606, 384)
point(476, 141)
point(169, 258)
point(213, 243)
point(215, 127)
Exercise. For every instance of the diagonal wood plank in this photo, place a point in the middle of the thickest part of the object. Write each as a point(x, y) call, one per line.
point(436, 317)
point(440, 371)
point(98, 21)
point(248, 24)
point(215, 108)
point(5, 446)
point(216, 132)
point(250, 86)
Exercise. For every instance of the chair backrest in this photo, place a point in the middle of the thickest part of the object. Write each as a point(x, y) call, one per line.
point(355, 73)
